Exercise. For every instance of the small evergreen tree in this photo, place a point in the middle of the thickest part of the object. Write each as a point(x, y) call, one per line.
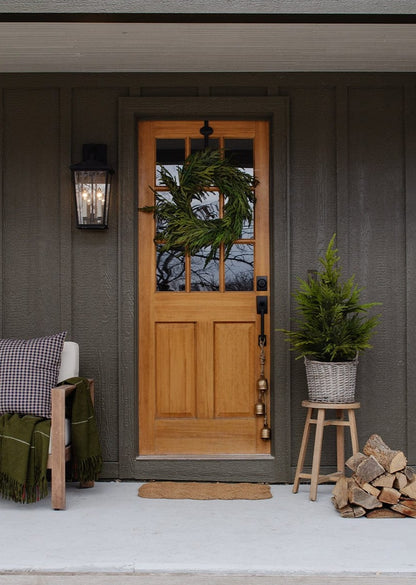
point(333, 326)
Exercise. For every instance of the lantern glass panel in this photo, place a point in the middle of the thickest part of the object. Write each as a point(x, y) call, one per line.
point(92, 192)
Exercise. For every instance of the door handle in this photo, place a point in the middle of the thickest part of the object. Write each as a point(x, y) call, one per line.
point(262, 309)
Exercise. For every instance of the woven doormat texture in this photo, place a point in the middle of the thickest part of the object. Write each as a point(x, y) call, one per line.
point(204, 491)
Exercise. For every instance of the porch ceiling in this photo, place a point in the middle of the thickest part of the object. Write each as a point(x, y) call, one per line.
point(207, 47)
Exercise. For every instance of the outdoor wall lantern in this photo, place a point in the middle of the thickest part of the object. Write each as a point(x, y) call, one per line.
point(92, 183)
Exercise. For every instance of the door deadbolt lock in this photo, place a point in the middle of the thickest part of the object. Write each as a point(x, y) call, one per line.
point(261, 283)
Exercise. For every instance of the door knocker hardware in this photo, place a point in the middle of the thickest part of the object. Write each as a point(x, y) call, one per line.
point(206, 132)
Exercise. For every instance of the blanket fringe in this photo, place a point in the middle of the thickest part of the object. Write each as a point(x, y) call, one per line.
point(87, 469)
point(10, 489)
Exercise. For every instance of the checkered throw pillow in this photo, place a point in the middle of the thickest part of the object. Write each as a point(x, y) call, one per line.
point(28, 370)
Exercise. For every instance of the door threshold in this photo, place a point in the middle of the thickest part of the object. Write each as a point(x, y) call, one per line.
point(220, 456)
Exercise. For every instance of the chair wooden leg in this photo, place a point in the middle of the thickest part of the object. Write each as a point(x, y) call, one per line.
point(59, 453)
point(86, 484)
point(57, 457)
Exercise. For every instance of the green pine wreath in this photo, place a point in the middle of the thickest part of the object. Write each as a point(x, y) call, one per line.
point(181, 229)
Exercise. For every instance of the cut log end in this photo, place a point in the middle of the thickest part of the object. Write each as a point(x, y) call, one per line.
point(391, 460)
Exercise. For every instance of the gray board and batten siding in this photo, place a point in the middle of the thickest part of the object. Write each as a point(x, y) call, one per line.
point(343, 160)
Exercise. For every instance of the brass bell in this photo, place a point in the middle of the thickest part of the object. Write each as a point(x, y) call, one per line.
point(260, 408)
point(262, 384)
point(265, 432)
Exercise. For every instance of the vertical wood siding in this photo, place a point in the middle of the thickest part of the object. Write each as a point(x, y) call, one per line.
point(31, 204)
point(376, 250)
point(95, 265)
point(351, 161)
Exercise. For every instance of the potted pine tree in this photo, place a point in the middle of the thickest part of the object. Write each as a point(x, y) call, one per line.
point(332, 327)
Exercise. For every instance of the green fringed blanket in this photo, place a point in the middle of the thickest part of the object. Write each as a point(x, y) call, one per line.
point(86, 451)
point(24, 447)
point(24, 443)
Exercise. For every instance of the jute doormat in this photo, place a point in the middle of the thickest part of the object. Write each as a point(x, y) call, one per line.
point(175, 490)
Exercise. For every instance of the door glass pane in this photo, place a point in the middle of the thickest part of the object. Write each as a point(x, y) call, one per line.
point(170, 152)
point(160, 197)
point(208, 208)
point(170, 270)
point(204, 278)
point(240, 151)
point(247, 231)
point(198, 144)
point(239, 268)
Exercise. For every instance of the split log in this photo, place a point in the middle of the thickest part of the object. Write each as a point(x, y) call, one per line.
point(385, 480)
point(352, 511)
point(409, 503)
point(392, 461)
point(389, 496)
point(354, 461)
point(404, 510)
point(400, 481)
point(370, 489)
point(384, 513)
point(359, 511)
point(340, 493)
point(409, 473)
point(361, 498)
point(345, 511)
point(410, 489)
point(368, 470)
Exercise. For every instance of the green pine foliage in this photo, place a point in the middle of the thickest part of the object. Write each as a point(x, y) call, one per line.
point(332, 326)
point(182, 229)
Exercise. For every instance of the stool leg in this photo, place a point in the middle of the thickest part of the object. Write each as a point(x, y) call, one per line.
point(353, 431)
point(340, 443)
point(316, 461)
point(302, 452)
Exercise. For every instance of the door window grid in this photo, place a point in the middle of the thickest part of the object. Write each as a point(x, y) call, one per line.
point(183, 273)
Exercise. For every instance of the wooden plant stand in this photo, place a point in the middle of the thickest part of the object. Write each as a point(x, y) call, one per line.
point(321, 423)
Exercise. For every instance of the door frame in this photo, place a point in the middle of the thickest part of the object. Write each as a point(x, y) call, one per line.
point(270, 468)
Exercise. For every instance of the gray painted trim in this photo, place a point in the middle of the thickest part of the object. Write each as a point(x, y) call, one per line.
point(218, 6)
point(280, 288)
point(109, 470)
point(208, 81)
point(130, 110)
point(66, 220)
point(127, 262)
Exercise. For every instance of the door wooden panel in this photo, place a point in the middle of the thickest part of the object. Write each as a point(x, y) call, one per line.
point(198, 327)
point(175, 369)
point(234, 376)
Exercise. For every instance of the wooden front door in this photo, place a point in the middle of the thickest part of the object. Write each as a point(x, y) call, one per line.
point(198, 325)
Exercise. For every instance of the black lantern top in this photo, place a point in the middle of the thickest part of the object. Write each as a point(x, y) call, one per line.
point(92, 182)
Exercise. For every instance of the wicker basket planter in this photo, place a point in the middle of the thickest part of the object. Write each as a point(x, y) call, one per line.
point(331, 381)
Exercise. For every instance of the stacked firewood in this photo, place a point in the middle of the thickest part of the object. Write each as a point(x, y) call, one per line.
point(382, 485)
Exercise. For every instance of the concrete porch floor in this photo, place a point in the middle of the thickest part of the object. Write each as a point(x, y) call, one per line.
point(110, 536)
